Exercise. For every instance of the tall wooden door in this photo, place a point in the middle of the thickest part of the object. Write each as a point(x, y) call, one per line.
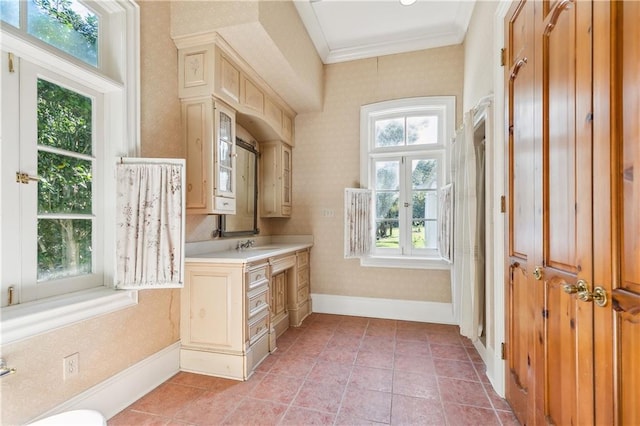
point(566, 271)
point(520, 235)
point(573, 349)
point(550, 213)
point(617, 212)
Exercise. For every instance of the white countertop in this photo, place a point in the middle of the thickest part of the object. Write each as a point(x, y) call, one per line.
point(224, 251)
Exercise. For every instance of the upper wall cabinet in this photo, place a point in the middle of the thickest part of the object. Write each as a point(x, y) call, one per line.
point(208, 66)
point(210, 135)
point(275, 190)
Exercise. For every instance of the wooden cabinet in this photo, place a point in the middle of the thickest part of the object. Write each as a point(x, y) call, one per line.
point(275, 188)
point(224, 326)
point(279, 312)
point(299, 299)
point(209, 133)
point(207, 66)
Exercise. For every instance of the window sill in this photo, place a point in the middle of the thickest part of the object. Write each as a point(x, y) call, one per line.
point(26, 320)
point(405, 262)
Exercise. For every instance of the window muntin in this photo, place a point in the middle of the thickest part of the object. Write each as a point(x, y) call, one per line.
point(403, 158)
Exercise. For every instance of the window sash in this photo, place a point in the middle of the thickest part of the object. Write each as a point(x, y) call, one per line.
point(405, 204)
point(29, 287)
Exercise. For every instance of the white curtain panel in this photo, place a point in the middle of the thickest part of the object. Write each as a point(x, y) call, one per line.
point(149, 224)
point(464, 266)
point(445, 222)
point(357, 222)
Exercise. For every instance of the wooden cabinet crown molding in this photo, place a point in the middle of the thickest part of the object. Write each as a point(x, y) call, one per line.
point(208, 65)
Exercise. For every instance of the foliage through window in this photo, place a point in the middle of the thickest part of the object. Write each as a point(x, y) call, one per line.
point(68, 25)
point(403, 160)
point(65, 169)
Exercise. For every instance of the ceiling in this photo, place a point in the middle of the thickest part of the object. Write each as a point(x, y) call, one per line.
point(344, 30)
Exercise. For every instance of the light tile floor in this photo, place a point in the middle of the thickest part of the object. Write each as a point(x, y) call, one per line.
point(339, 370)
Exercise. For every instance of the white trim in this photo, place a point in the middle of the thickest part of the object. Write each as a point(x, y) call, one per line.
point(26, 320)
point(121, 390)
point(405, 262)
point(405, 310)
point(496, 371)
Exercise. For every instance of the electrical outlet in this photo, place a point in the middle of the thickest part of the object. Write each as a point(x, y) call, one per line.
point(70, 366)
point(328, 213)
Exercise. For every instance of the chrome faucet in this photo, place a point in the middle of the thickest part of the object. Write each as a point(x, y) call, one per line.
point(247, 244)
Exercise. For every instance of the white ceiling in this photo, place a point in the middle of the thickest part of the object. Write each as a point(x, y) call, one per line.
point(344, 30)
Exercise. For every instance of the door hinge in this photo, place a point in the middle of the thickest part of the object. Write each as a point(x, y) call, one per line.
point(503, 351)
point(503, 57)
point(503, 204)
point(11, 67)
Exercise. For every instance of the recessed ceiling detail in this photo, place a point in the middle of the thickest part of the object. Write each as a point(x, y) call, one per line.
point(344, 30)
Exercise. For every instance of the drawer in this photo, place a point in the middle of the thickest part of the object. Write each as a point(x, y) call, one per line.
point(303, 294)
point(282, 263)
point(257, 276)
point(303, 259)
point(258, 299)
point(225, 204)
point(258, 326)
point(303, 278)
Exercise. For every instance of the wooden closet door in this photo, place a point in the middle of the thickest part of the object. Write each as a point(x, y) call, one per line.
point(520, 303)
point(566, 273)
point(626, 297)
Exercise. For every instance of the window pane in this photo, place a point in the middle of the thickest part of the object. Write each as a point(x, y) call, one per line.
point(225, 127)
point(225, 154)
point(67, 25)
point(387, 225)
point(65, 184)
point(389, 132)
point(64, 118)
point(64, 248)
point(387, 175)
point(10, 12)
point(431, 234)
point(424, 174)
point(431, 205)
point(422, 130)
point(225, 180)
point(418, 234)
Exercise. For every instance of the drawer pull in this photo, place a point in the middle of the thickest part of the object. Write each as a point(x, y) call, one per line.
point(258, 303)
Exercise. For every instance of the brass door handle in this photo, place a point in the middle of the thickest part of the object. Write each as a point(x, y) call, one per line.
point(579, 287)
point(599, 296)
point(537, 273)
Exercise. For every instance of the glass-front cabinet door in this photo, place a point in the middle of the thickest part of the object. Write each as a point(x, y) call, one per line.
point(209, 132)
point(225, 157)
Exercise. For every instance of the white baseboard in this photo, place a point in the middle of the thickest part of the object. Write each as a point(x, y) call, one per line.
point(407, 310)
point(121, 390)
point(494, 365)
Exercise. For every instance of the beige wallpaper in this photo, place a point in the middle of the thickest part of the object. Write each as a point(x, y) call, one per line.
point(113, 342)
point(326, 160)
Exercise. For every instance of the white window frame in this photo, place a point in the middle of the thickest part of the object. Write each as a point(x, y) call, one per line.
point(117, 82)
point(444, 108)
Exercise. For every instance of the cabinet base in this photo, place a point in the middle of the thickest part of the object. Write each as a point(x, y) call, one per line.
point(228, 366)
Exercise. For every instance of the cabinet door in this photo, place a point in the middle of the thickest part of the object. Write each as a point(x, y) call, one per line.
point(212, 307)
point(225, 160)
point(286, 180)
point(275, 195)
point(197, 130)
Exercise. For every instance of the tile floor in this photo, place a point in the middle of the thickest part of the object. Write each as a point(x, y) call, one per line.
point(339, 370)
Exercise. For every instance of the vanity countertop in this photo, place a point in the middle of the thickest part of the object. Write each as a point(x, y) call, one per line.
point(264, 249)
